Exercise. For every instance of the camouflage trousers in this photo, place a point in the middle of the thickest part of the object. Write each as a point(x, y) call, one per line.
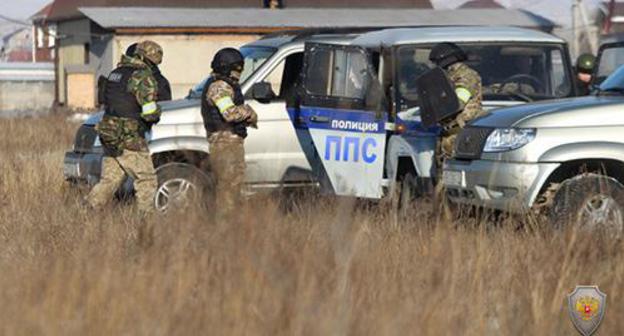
point(444, 151)
point(227, 162)
point(139, 166)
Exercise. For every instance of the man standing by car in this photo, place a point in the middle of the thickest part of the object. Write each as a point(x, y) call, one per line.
point(226, 118)
point(584, 69)
point(467, 85)
point(131, 93)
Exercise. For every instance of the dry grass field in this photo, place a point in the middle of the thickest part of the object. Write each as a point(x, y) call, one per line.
point(326, 267)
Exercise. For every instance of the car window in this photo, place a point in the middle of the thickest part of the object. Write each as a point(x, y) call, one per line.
point(254, 58)
point(284, 77)
point(510, 71)
point(337, 73)
point(610, 60)
point(275, 77)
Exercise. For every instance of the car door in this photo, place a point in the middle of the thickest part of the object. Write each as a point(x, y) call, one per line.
point(339, 121)
point(272, 151)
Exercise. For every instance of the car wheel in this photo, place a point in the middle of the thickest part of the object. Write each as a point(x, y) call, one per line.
point(180, 186)
point(409, 189)
point(591, 201)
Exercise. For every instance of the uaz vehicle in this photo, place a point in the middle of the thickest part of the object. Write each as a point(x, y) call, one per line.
point(563, 158)
point(517, 65)
point(358, 117)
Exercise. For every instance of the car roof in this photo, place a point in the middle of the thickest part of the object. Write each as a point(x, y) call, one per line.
point(457, 34)
point(330, 35)
point(280, 41)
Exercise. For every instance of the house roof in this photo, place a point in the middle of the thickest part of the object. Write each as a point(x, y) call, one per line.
point(358, 4)
point(247, 18)
point(68, 9)
point(43, 13)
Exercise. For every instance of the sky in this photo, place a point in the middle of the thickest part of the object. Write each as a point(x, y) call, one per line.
point(21, 9)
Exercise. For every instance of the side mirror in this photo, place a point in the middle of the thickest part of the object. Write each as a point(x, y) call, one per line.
point(262, 92)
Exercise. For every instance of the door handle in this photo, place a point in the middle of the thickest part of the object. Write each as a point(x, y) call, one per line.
point(318, 119)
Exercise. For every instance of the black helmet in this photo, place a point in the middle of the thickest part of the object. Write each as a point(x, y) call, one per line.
point(585, 63)
point(131, 51)
point(226, 60)
point(446, 53)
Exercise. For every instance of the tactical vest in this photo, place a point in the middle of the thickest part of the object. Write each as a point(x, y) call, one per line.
point(119, 101)
point(213, 120)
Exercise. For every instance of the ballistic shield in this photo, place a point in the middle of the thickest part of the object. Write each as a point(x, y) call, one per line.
point(437, 97)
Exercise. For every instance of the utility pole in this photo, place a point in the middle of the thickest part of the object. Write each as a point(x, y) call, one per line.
point(575, 35)
point(589, 28)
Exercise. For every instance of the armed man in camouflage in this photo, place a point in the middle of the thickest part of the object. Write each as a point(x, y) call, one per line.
point(467, 84)
point(226, 118)
point(130, 94)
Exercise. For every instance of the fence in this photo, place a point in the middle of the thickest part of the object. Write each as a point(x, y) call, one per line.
point(26, 89)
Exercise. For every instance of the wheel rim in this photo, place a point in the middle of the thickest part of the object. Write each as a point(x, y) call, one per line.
point(175, 192)
point(601, 211)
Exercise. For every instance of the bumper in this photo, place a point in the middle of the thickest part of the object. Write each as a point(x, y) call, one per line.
point(82, 167)
point(506, 186)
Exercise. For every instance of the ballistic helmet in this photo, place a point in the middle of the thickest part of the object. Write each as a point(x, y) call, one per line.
point(227, 60)
point(446, 53)
point(131, 51)
point(585, 63)
point(151, 51)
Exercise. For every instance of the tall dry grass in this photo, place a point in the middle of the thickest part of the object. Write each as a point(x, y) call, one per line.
point(326, 267)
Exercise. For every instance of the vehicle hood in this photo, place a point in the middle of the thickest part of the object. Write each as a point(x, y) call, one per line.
point(171, 105)
point(570, 112)
point(168, 107)
point(412, 120)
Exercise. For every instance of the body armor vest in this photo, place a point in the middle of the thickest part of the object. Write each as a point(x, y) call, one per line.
point(213, 120)
point(119, 101)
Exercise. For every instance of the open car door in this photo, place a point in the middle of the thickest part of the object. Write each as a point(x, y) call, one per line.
point(610, 57)
point(340, 122)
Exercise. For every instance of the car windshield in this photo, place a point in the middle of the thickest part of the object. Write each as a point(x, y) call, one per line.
point(508, 71)
point(254, 58)
point(615, 82)
point(610, 59)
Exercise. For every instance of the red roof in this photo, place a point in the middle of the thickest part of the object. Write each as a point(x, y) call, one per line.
point(43, 13)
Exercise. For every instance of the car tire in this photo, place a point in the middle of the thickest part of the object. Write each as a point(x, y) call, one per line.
point(590, 201)
point(409, 190)
point(182, 185)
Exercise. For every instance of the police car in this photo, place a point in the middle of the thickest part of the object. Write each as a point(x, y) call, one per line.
point(359, 121)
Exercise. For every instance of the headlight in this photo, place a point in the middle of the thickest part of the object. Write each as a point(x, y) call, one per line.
point(506, 139)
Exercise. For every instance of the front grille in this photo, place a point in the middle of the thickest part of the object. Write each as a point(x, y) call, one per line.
point(85, 138)
point(470, 141)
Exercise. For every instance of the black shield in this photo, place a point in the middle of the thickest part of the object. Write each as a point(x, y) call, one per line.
point(437, 97)
point(102, 81)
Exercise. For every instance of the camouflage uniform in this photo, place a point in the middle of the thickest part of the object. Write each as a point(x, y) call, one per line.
point(125, 142)
point(227, 152)
point(467, 84)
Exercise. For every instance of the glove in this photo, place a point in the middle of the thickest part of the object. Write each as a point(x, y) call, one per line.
point(151, 119)
point(252, 121)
